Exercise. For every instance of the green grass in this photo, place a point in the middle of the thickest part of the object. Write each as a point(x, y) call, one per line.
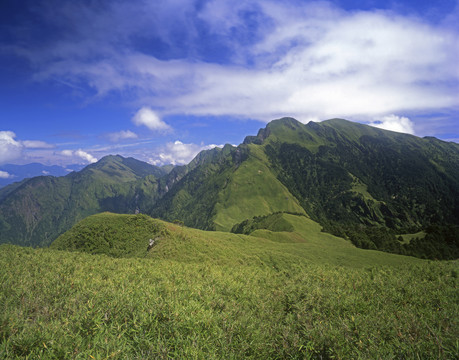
point(195, 294)
point(253, 191)
point(116, 235)
point(408, 237)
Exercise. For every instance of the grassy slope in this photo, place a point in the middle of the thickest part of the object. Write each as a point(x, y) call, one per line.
point(218, 295)
point(252, 191)
point(112, 234)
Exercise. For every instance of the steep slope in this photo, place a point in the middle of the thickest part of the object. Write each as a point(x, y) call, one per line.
point(352, 173)
point(337, 172)
point(37, 210)
point(227, 186)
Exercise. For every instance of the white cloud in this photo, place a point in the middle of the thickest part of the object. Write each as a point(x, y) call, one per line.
point(122, 135)
point(5, 175)
point(79, 154)
point(294, 58)
point(147, 117)
point(395, 123)
point(323, 63)
point(37, 144)
point(178, 153)
point(10, 149)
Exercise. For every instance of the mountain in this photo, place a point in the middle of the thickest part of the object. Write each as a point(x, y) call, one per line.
point(16, 173)
point(35, 211)
point(335, 171)
point(359, 182)
point(363, 183)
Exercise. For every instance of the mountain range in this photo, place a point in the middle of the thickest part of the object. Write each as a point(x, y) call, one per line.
point(374, 187)
point(14, 173)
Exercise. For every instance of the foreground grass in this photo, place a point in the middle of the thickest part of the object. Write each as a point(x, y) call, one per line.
point(58, 304)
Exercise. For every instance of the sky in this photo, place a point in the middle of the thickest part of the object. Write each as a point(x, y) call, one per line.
point(162, 80)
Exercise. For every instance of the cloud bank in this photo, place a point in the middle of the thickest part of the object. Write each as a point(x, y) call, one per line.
point(37, 144)
point(255, 59)
point(10, 149)
point(5, 175)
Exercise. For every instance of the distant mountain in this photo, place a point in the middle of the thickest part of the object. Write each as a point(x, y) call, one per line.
point(359, 182)
point(35, 211)
point(17, 173)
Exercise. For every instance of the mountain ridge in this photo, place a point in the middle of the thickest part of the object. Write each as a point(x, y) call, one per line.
point(339, 173)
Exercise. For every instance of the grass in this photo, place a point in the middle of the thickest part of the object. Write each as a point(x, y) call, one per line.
point(408, 237)
point(246, 194)
point(116, 235)
point(216, 295)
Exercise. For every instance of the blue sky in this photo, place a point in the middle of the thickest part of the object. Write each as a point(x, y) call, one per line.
point(162, 80)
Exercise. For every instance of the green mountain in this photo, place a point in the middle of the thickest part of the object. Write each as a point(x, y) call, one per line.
point(359, 182)
point(334, 171)
point(35, 211)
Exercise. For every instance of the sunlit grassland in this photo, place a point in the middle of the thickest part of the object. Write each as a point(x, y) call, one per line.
point(245, 194)
point(217, 295)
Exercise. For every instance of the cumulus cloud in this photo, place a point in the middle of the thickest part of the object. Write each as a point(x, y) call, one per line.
point(179, 153)
point(79, 154)
point(395, 123)
point(147, 117)
point(122, 135)
point(10, 149)
point(5, 175)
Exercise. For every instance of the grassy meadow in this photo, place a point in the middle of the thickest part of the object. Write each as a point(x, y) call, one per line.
point(301, 294)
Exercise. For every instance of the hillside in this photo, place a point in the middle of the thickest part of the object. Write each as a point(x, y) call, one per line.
point(121, 235)
point(195, 294)
point(362, 183)
point(35, 211)
point(358, 181)
point(335, 171)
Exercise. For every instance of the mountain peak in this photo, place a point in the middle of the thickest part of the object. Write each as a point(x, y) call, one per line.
point(116, 168)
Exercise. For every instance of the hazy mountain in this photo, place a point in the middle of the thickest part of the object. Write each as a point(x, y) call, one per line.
point(15, 173)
